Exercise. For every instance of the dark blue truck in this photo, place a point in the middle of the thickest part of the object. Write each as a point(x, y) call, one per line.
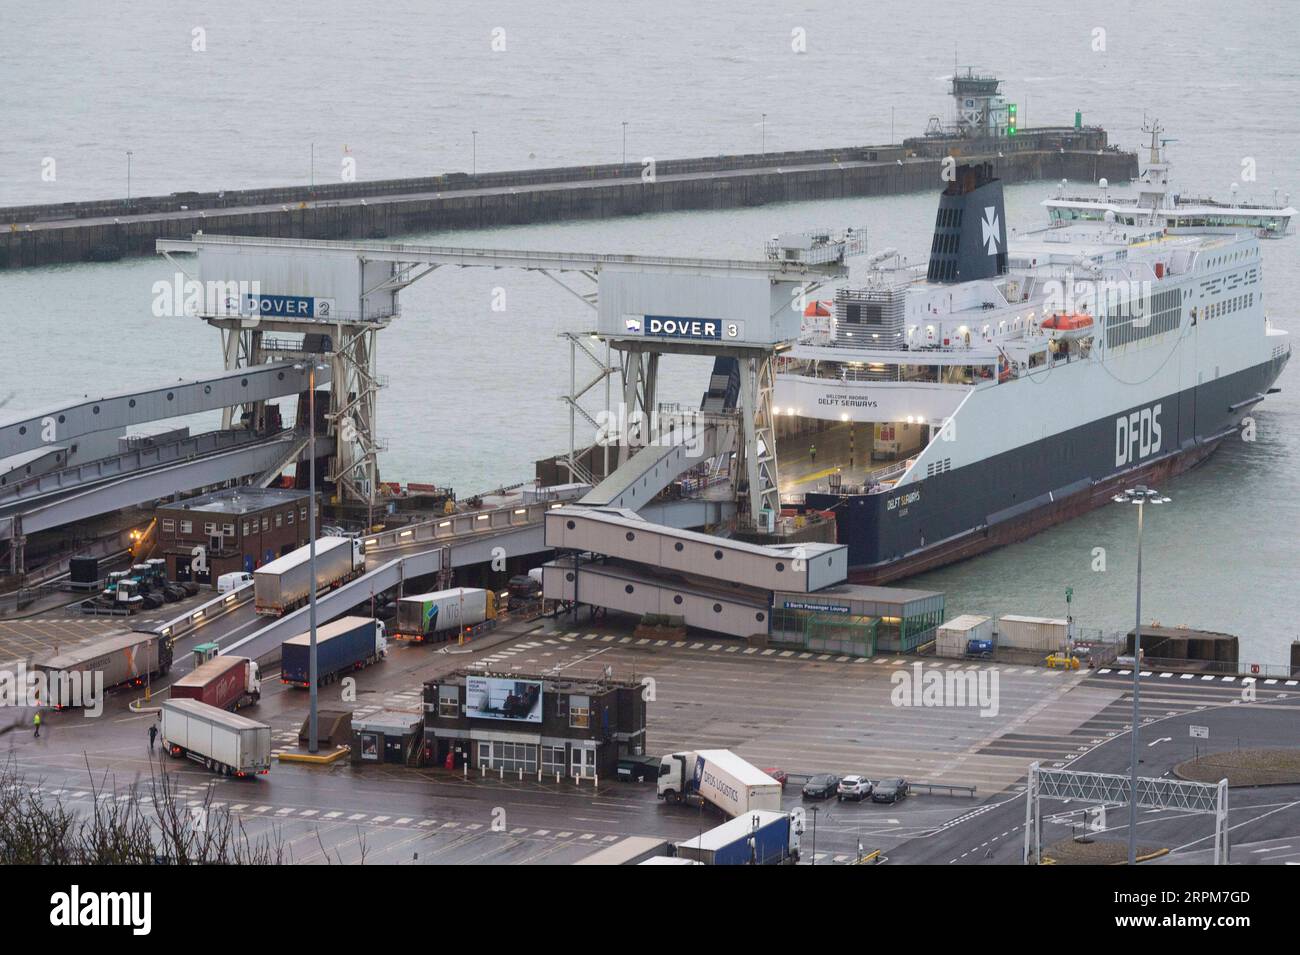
point(342, 646)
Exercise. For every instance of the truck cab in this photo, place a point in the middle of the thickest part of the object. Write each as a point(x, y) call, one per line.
point(381, 639)
point(675, 775)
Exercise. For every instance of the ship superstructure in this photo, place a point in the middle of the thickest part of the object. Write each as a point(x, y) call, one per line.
point(1155, 201)
point(1018, 384)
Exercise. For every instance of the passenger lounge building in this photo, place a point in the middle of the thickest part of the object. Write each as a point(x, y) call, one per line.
point(512, 722)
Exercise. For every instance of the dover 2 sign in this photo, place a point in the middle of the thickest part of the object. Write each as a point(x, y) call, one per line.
point(288, 306)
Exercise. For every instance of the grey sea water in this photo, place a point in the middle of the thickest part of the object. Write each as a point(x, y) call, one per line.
point(401, 88)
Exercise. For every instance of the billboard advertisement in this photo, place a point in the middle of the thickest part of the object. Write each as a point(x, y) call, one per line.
point(500, 698)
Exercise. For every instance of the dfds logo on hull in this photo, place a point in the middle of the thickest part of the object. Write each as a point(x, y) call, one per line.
point(1137, 436)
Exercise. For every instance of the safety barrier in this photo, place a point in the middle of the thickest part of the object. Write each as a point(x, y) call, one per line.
point(210, 610)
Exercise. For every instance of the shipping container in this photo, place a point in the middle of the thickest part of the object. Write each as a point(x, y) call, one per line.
point(953, 637)
point(343, 645)
point(124, 659)
point(224, 682)
point(285, 583)
point(223, 742)
point(422, 616)
point(760, 837)
point(1040, 634)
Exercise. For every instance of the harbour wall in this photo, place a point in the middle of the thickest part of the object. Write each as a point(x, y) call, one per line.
point(105, 230)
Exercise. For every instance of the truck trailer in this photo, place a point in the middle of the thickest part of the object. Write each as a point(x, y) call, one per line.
point(760, 837)
point(285, 583)
point(343, 645)
point(719, 777)
point(437, 615)
point(224, 682)
point(225, 743)
point(123, 659)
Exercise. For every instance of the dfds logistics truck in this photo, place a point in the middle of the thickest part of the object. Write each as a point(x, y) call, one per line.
point(719, 777)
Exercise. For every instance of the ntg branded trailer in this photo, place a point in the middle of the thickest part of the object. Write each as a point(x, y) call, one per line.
point(422, 616)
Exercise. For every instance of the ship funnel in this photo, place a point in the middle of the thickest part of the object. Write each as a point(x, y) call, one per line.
point(970, 232)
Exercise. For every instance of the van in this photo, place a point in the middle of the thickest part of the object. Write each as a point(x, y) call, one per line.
point(232, 580)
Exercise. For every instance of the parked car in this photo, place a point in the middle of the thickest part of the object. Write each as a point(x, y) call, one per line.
point(891, 790)
point(853, 787)
point(821, 786)
point(780, 775)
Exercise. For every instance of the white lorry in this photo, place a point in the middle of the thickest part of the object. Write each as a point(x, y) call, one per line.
point(721, 778)
point(225, 743)
point(284, 583)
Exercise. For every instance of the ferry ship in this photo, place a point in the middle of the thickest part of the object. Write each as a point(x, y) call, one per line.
point(1023, 384)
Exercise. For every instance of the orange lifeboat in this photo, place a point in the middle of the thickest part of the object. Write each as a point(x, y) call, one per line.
point(1068, 323)
point(816, 309)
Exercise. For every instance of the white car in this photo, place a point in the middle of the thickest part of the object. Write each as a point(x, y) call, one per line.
point(853, 787)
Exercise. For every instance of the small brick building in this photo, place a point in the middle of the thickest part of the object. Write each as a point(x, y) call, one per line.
point(239, 528)
point(513, 722)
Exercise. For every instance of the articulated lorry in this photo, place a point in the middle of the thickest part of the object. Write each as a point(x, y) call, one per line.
point(285, 583)
point(125, 659)
point(437, 615)
point(719, 777)
point(343, 645)
point(760, 837)
point(224, 682)
point(223, 742)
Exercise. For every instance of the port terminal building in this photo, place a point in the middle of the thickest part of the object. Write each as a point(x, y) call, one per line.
point(571, 725)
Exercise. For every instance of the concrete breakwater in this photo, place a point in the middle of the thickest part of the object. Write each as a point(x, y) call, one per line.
point(105, 230)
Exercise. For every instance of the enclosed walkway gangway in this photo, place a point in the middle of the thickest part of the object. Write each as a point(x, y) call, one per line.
point(66, 423)
point(613, 558)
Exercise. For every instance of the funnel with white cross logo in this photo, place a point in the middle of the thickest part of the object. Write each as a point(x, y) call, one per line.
point(970, 233)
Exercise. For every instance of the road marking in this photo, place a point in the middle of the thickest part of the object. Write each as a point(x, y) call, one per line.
point(1165, 676)
point(356, 817)
point(1186, 676)
point(310, 812)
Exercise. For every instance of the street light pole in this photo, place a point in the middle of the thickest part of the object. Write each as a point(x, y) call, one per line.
point(1141, 496)
point(473, 169)
point(624, 142)
point(128, 178)
point(814, 810)
point(312, 745)
point(764, 137)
